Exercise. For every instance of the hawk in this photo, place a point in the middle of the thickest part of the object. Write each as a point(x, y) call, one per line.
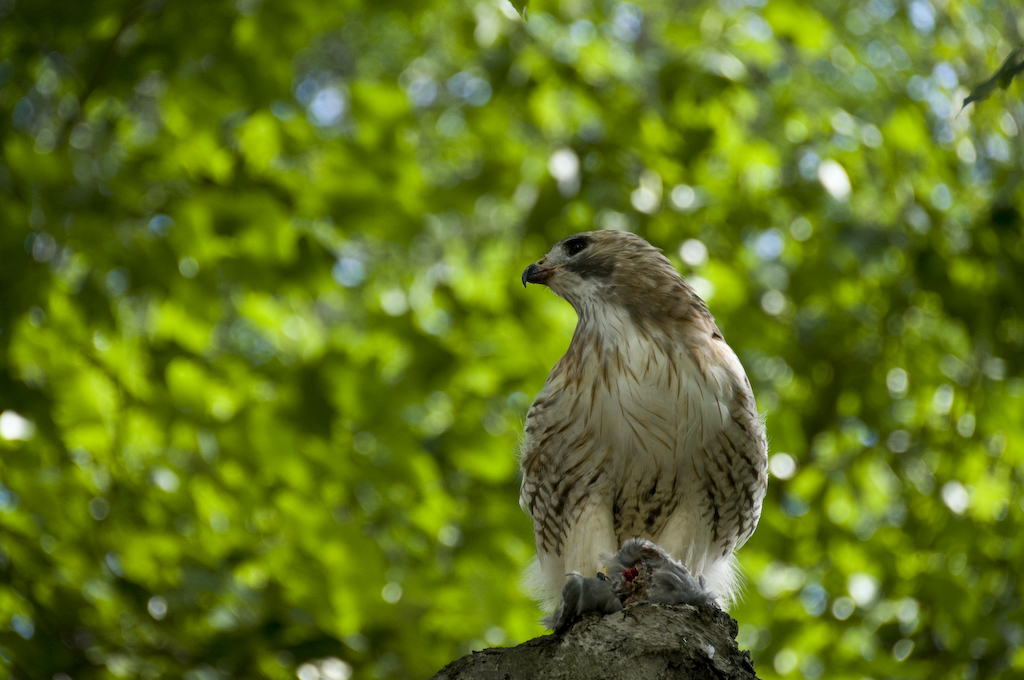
point(645, 429)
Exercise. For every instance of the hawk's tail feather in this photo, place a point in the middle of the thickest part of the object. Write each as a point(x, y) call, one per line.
point(725, 579)
point(543, 583)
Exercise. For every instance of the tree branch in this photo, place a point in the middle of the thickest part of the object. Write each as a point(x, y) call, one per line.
point(642, 641)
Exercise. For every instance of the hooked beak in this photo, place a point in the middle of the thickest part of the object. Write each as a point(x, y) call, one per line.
point(536, 273)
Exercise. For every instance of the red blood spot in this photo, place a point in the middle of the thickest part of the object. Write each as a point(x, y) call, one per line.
point(630, 574)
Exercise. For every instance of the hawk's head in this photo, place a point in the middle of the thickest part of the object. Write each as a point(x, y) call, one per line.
point(612, 267)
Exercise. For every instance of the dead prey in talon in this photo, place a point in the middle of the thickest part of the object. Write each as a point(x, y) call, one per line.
point(645, 429)
point(639, 572)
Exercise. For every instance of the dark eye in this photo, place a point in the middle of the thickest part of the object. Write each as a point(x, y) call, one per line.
point(575, 246)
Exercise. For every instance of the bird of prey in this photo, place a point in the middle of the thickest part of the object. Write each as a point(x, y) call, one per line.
point(645, 429)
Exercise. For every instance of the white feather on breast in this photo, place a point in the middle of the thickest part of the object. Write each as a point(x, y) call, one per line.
point(658, 411)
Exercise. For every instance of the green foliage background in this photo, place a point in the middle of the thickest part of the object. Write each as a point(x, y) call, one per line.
point(264, 355)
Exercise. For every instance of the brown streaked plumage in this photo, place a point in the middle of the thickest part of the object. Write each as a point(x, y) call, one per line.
point(645, 428)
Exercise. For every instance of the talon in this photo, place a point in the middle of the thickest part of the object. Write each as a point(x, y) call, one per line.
point(581, 595)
